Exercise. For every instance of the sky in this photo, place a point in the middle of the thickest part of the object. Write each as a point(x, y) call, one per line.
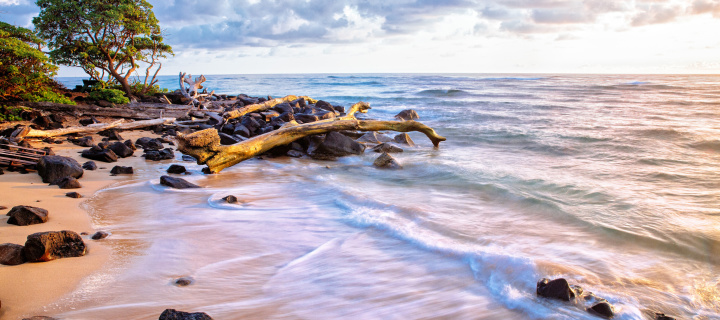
point(430, 36)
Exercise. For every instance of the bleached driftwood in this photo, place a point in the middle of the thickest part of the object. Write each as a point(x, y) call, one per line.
point(195, 85)
point(263, 106)
point(97, 127)
point(206, 148)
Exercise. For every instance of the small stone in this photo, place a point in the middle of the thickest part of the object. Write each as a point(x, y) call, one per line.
point(177, 183)
point(177, 169)
point(100, 235)
point(602, 309)
point(73, 195)
point(386, 161)
point(230, 199)
point(408, 114)
point(68, 183)
point(172, 314)
point(184, 281)
point(121, 170)
point(90, 165)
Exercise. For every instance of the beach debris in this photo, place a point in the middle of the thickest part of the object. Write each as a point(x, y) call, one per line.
point(404, 138)
point(73, 195)
point(121, 149)
point(555, 289)
point(172, 314)
point(11, 254)
point(184, 281)
point(16, 156)
point(265, 105)
point(177, 183)
point(164, 154)
point(387, 148)
point(386, 161)
point(230, 199)
point(51, 245)
point(100, 235)
point(602, 309)
point(100, 154)
point(67, 183)
point(52, 168)
point(408, 114)
point(374, 137)
point(121, 170)
point(90, 165)
point(194, 86)
point(27, 215)
point(176, 169)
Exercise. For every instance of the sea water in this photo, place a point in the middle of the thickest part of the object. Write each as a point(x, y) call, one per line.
point(609, 181)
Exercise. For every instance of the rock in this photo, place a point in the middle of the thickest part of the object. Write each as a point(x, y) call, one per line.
point(374, 137)
point(251, 124)
point(325, 106)
point(73, 195)
point(51, 168)
point(333, 145)
point(555, 289)
point(230, 199)
point(42, 121)
point(88, 121)
point(295, 154)
point(164, 154)
point(121, 149)
point(184, 281)
point(602, 309)
point(306, 118)
point(112, 134)
point(186, 157)
point(121, 170)
point(177, 169)
point(404, 138)
point(90, 165)
point(98, 154)
point(662, 316)
point(11, 254)
point(177, 183)
point(46, 246)
point(100, 235)
point(67, 183)
point(387, 148)
point(267, 115)
point(27, 215)
point(241, 130)
point(227, 139)
point(130, 145)
point(149, 143)
point(408, 114)
point(172, 314)
point(386, 161)
point(283, 108)
point(83, 142)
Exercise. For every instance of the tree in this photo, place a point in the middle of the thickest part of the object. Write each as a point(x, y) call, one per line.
point(109, 39)
point(25, 71)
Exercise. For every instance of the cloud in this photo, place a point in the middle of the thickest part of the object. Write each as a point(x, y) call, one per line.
point(656, 13)
point(18, 12)
point(706, 6)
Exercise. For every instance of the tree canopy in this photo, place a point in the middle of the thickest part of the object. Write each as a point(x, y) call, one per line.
point(109, 39)
point(25, 71)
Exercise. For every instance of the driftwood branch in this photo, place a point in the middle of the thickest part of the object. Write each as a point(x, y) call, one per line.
point(263, 106)
point(206, 148)
point(195, 85)
point(94, 128)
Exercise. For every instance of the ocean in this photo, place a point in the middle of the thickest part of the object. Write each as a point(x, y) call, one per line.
point(609, 181)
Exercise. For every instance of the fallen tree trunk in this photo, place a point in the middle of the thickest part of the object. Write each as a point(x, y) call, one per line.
point(140, 111)
point(94, 128)
point(263, 106)
point(206, 148)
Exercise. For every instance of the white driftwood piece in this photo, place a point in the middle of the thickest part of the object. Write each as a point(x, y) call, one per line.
point(195, 85)
point(97, 127)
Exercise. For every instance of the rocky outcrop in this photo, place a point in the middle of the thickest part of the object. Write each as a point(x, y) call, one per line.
point(51, 168)
point(11, 254)
point(27, 215)
point(332, 145)
point(386, 161)
point(177, 183)
point(172, 314)
point(47, 246)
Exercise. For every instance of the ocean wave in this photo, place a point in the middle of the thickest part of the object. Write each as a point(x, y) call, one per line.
point(513, 79)
point(443, 93)
point(351, 84)
point(707, 145)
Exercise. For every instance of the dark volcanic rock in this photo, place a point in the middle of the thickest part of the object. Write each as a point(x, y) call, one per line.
point(241, 130)
point(11, 254)
point(306, 118)
point(46, 246)
point(100, 235)
point(112, 134)
point(51, 168)
point(27, 215)
point(374, 137)
point(121, 170)
point(408, 114)
point(333, 145)
point(73, 195)
point(556, 289)
point(149, 143)
point(130, 145)
point(283, 108)
point(662, 316)
point(404, 138)
point(88, 121)
point(99, 154)
point(67, 183)
point(177, 183)
point(387, 148)
point(602, 309)
point(228, 139)
point(386, 161)
point(177, 169)
point(83, 142)
point(121, 149)
point(184, 281)
point(90, 165)
point(295, 154)
point(164, 154)
point(186, 157)
point(230, 199)
point(172, 314)
point(324, 106)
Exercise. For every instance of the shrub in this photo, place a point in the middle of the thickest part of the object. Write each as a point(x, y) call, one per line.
point(113, 95)
point(8, 113)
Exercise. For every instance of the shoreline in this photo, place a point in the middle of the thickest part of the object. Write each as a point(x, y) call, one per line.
point(30, 288)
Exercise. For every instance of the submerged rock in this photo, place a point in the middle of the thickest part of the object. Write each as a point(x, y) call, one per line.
point(374, 137)
point(177, 183)
point(51, 168)
point(47, 246)
point(386, 161)
point(333, 145)
point(387, 148)
point(177, 169)
point(602, 309)
point(172, 314)
point(408, 114)
point(555, 289)
point(230, 199)
point(184, 281)
point(27, 215)
point(404, 138)
point(11, 254)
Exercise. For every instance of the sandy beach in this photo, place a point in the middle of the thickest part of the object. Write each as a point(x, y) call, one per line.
point(28, 288)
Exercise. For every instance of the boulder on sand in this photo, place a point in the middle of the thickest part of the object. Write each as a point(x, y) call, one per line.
point(100, 154)
point(51, 168)
point(27, 215)
point(177, 183)
point(11, 254)
point(51, 245)
point(172, 314)
point(121, 170)
point(67, 183)
point(90, 165)
point(121, 149)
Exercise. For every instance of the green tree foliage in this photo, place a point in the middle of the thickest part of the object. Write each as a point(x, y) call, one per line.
point(109, 39)
point(112, 95)
point(25, 71)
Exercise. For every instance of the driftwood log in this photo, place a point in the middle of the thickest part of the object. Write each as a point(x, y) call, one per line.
point(206, 148)
point(263, 106)
point(97, 127)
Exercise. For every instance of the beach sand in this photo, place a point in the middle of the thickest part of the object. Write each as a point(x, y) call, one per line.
point(28, 288)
